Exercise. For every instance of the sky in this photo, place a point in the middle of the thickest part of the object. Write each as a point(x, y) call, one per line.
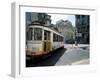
point(56, 17)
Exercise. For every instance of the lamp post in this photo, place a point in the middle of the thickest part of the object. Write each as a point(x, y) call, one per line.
point(76, 42)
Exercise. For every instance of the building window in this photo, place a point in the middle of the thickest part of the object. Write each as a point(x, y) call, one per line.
point(28, 16)
point(37, 34)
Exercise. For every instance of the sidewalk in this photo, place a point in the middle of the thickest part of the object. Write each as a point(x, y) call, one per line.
point(84, 61)
point(78, 46)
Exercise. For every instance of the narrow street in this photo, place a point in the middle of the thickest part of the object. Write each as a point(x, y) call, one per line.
point(70, 55)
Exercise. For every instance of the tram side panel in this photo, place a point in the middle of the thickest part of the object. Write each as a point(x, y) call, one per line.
point(57, 41)
point(34, 48)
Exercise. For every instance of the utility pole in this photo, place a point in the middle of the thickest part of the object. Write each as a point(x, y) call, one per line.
point(76, 43)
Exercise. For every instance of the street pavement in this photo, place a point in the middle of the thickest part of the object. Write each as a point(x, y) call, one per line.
point(70, 55)
point(74, 55)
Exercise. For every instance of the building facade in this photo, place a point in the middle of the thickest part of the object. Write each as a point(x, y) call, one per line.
point(42, 18)
point(82, 29)
point(65, 28)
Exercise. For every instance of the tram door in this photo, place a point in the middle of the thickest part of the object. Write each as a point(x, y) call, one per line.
point(47, 43)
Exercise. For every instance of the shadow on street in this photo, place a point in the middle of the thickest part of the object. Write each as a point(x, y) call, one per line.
point(48, 60)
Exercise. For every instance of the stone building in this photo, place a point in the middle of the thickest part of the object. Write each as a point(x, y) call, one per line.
point(65, 28)
point(41, 18)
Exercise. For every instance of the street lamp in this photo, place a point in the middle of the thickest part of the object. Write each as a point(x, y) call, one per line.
point(76, 43)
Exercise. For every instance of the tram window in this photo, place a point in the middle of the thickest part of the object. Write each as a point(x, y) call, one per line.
point(46, 35)
point(54, 37)
point(62, 39)
point(30, 33)
point(37, 34)
point(59, 38)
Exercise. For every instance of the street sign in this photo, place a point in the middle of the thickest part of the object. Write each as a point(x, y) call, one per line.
point(79, 34)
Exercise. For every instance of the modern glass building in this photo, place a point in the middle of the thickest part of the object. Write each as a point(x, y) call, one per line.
point(82, 29)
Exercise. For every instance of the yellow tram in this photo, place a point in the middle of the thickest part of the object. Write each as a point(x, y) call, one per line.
point(42, 40)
